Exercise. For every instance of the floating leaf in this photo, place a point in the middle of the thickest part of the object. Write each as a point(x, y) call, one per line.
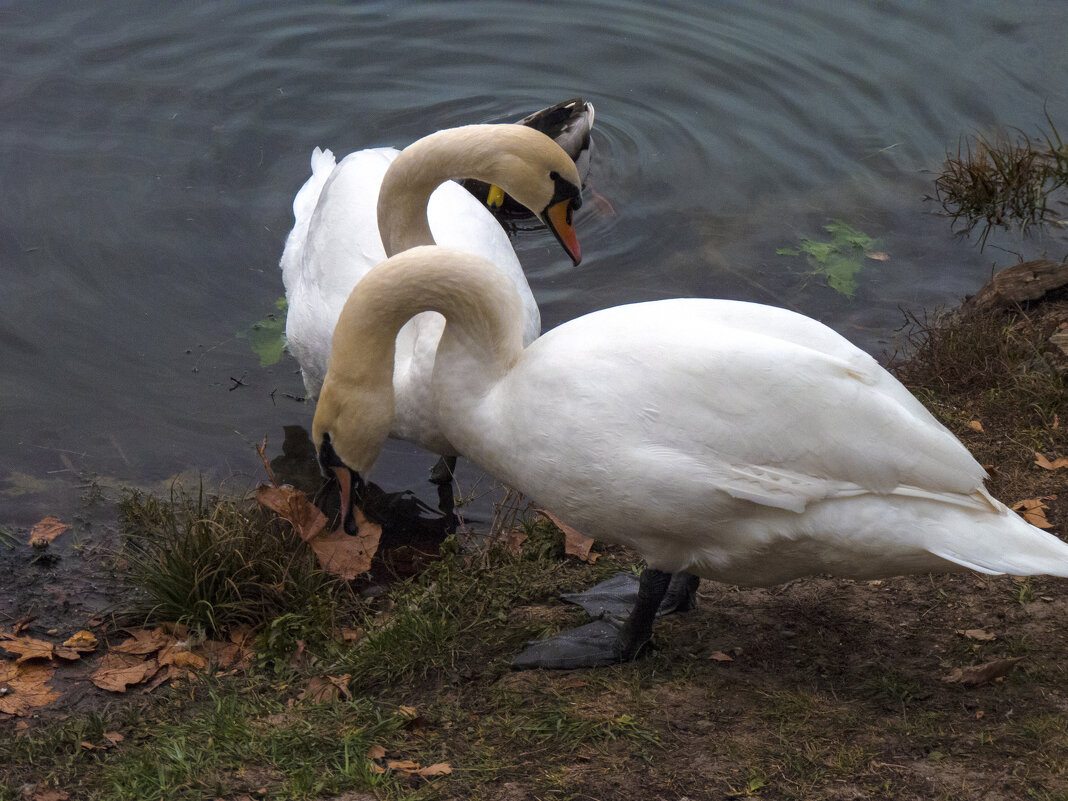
point(46, 530)
point(267, 338)
point(840, 259)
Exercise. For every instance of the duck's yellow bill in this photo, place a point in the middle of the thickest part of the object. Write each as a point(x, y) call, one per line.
point(495, 198)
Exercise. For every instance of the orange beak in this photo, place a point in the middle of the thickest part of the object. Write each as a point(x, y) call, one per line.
point(558, 218)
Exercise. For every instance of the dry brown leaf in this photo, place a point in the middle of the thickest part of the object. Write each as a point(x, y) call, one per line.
point(719, 656)
point(293, 505)
point(408, 711)
point(513, 542)
point(350, 635)
point(27, 647)
point(975, 425)
point(977, 634)
point(143, 642)
point(575, 543)
point(47, 794)
point(348, 556)
point(376, 752)
point(319, 689)
point(113, 737)
point(46, 530)
point(437, 769)
point(1046, 464)
point(374, 767)
point(975, 675)
point(116, 672)
point(403, 765)
point(83, 642)
point(22, 623)
point(180, 656)
point(223, 655)
point(1032, 510)
point(878, 255)
point(27, 687)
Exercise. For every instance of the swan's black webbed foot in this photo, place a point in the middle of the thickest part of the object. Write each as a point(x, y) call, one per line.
point(605, 641)
point(442, 471)
point(681, 594)
point(616, 597)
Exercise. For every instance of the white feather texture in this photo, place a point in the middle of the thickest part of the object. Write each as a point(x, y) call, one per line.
point(740, 442)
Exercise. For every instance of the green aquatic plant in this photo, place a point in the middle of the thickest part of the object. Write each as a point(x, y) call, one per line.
point(838, 260)
point(267, 337)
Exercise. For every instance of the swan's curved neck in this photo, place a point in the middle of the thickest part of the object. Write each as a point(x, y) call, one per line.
point(472, 151)
point(483, 312)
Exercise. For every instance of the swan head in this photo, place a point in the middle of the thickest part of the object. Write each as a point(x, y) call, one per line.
point(539, 174)
point(352, 421)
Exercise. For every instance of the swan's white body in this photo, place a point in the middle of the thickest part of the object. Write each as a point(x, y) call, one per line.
point(335, 241)
point(740, 442)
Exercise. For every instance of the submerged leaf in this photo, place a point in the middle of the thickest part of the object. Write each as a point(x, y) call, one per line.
point(267, 338)
point(840, 259)
point(47, 530)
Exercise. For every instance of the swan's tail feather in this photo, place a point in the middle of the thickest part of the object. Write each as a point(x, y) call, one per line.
point(1006, 543)
point(322, 164)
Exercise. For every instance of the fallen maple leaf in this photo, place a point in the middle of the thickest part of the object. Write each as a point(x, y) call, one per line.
point(1046, 464)
point(293, 505)
point(116, 672)
point(575, 543)
point(977, 634)
point(83, 642)
point(46, 530)
point(975, 675)
point(347, 556)
point(27, 687)
point(27, 647)
point(182, 657)
point(1032, 510)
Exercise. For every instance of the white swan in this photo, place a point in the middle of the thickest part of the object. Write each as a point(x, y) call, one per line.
point(740, 442)
point(352, 215)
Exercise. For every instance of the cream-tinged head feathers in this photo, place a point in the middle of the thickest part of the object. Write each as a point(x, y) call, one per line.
point(525, 163)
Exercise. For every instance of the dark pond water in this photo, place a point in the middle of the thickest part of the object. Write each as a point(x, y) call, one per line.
point(149, 154)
